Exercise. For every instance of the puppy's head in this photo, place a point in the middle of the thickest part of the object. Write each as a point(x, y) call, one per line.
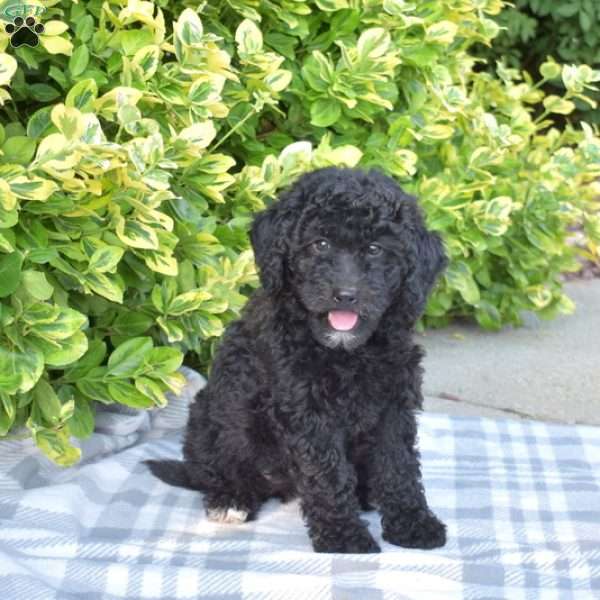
point(350, 246)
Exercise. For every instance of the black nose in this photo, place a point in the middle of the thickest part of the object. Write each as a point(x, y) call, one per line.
point(345, 295)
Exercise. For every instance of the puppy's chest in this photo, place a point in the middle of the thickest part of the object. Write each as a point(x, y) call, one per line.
point(353, 396)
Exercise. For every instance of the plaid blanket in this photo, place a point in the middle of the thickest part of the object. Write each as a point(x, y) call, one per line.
point(521, 500)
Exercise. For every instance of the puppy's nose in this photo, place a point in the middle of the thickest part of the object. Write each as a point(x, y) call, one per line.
point(345, 295)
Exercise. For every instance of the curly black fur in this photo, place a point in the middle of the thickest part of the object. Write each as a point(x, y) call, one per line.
point(296, 407)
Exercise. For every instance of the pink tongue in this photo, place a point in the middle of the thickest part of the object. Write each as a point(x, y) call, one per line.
point(342, 320)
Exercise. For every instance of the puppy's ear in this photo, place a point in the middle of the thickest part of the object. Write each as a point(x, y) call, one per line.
point(428, 258)
point(269, 247)
point(431, 258)
point(270, 235)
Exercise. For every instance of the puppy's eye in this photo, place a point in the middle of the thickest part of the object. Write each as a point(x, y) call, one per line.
point(374, 250)
point(321, 246)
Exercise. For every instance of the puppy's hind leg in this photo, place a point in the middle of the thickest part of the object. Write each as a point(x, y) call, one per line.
point(235, 501)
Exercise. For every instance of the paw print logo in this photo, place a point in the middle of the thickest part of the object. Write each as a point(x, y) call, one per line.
point(24, 32)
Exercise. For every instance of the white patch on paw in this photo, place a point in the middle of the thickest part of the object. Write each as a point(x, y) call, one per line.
point(227, 515)
point(235, 515)
point(216, 514)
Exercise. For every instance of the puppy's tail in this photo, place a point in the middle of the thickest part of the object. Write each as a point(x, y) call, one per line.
point(172, 472)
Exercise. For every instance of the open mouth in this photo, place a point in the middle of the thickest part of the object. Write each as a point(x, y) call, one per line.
point(342, 320)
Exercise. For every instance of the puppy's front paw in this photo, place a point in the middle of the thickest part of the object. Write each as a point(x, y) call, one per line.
point(415, 529)
point(226, 514)
point(358, 541)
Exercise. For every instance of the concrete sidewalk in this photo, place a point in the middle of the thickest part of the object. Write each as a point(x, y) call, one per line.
point(547, 370)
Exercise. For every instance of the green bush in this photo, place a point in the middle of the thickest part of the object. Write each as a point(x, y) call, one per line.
point(138, 138)
point(532, 30)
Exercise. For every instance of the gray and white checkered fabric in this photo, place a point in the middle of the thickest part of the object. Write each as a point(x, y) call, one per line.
point(521, 500)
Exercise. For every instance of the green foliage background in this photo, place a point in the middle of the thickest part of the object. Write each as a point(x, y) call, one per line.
point(532, 30)
point(138, 139)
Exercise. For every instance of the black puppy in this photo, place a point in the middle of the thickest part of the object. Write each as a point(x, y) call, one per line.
point(313, 391)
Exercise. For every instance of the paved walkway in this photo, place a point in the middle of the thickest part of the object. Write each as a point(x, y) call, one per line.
point(547, 370)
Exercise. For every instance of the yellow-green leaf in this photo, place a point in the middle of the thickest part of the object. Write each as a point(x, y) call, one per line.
point(199, 135)
point(128, 357)
point(539, 295)
point(36, 284)
point(296, 155)
point(151, 389)
point(437, 132)
point(117, 97)
point(65, 325)
point(164, 360)
point(55, 445)
point(127, 394)
point(173, 331)
point(82, 95)
point(8, 200)
point(60, 353)
point(373, 43)
point(6, 245)
point(10, 273)
point(161, 262)
point(146, 60)
point(136, 234)
point(187, 302)
point(68, 121)
point(346, 155)
point(550, 69)
point(460, 278)
point(325, 112)
point(442, 32)
point(105, 286)
point(32, 188)
point(105, 259)
point(8, 67)
point(406, 160)
point(278, 80)
point(18, 149)
point(79, 60)
point(188, 27)
point(28, 366)
point(52, 28)
point(56, 45)
point(248, 37)
point(55, 152)
point(332, 5)
point(558, 105)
